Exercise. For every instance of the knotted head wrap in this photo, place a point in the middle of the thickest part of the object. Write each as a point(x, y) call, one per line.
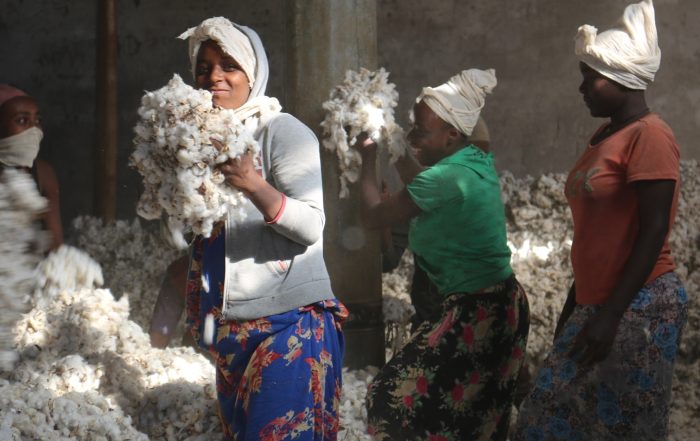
point(460, 100)
point(628, 53)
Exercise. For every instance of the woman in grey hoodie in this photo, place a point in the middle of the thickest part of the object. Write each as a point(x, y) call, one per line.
point(258, 294)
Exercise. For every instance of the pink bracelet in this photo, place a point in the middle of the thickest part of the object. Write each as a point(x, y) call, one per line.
point(279, 213)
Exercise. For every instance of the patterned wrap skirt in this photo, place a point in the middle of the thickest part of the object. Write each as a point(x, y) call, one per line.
point(455, 379)
point(627, 395)
point(278, 377)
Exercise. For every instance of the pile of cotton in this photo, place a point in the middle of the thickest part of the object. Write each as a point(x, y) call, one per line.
point(396, 305)
point(364, 102)
point(134, 259)
point(353, 413)
point(88, 372)
point(539, 232)
point(21, 249)
point(177, 159)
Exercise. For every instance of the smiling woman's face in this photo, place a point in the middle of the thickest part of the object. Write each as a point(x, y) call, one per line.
point(221, 75)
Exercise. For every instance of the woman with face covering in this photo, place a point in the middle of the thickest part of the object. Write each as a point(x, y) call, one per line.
point(455, 378)
point(276, 330)
point(20, 135)
point(609, 374)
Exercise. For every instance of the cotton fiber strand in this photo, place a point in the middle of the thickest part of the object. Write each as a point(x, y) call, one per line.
point(364, 102)
point(177, 160)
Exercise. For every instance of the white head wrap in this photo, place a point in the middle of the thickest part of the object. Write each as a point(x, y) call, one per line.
point(231, 40)
point(460, 100)
point(244, 45)
point(629, 53)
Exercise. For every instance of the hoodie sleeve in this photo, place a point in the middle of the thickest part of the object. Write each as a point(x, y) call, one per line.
point(295, 171)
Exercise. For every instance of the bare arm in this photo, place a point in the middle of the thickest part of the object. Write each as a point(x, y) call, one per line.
point(49, 188)
point(375, 212)
point(655, 199)
point(566, 310)
point(407, 167)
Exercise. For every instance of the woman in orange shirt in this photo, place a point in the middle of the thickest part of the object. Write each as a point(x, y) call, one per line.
point(609, 373)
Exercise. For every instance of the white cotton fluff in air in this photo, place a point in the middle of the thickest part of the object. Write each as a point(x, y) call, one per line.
point(208, 336)
point(177, 160)
point(364, 102)
point(22, 245)
point(69, 268)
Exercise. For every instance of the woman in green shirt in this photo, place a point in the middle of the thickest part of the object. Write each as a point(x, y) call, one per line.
point(456, 376)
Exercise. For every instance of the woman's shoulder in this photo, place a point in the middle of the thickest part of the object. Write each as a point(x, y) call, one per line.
point(45, 173)
point(653, 121)
point(289, 126)
point(284, 120)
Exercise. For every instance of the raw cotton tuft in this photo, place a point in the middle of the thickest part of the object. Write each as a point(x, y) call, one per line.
point(364, 102)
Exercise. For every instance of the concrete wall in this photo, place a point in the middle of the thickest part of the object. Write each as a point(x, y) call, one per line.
point(536, 115)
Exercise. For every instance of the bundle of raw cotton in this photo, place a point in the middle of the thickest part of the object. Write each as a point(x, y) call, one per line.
point(177, 159)
point(363, 103)
point(68, 268)
point(133, 257)
point(21, 248)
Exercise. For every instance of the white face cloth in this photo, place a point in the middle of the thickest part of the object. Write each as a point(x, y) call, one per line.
point(460, 100)
point(21, 150)
point(244, 45)
point(629, 53)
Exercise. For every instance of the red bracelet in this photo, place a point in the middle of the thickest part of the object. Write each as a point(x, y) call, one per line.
point(279, 213)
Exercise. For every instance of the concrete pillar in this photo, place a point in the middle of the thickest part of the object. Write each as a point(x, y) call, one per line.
point(327, 38)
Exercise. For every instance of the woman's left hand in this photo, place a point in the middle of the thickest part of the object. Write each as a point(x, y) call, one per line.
point(239, 172)
point(365, 144)
point(595, 340)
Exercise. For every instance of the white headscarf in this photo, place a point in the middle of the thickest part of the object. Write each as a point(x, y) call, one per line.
point(234, 42)
point(629, 53)
point(244, 45)
point(460, 100)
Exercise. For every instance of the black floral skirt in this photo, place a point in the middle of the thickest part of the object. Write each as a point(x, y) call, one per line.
point(455, 379)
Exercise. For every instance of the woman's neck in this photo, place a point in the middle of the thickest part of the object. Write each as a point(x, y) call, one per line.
point(634, 108)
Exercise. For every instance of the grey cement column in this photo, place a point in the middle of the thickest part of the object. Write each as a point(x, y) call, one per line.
point(326, 38)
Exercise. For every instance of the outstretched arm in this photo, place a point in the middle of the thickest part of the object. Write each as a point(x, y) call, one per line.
point(375, 212)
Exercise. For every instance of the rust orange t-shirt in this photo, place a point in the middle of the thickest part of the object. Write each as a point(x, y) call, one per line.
point(604, 205)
